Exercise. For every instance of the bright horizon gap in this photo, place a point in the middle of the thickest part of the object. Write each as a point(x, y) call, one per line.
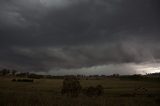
point(106, 70)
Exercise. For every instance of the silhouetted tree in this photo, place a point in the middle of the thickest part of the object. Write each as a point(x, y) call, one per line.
point(14, 72)
point(71, 87)
point(5, 72)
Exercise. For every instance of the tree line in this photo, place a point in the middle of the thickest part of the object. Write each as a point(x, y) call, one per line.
point(4, 72)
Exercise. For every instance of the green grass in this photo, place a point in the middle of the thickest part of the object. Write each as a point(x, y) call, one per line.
point(46, 92)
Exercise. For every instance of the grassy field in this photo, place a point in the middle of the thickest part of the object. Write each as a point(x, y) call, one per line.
point(46, 92)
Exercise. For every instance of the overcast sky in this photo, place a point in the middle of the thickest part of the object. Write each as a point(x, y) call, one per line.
point(80, 36)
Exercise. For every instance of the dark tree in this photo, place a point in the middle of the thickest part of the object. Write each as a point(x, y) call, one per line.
point(5, 72)
point(71, 87)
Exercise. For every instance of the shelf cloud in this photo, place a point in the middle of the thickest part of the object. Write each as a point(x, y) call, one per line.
point(52, 35)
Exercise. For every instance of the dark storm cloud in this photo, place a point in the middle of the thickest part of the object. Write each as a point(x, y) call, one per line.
point(46, 34)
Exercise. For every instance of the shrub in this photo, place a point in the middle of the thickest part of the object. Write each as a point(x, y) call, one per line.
point(93, 91)
point(71, 87)
point(14, 80)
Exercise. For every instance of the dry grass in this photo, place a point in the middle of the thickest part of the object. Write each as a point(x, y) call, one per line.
point(46, 92)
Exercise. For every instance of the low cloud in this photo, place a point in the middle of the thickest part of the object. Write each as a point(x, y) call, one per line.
point(44, 35)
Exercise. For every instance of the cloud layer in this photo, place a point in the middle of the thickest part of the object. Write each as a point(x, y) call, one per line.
point(43, 35)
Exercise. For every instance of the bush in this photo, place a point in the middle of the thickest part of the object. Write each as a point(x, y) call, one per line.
point(93, 91)
point(71, 87)
point(14, 80)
